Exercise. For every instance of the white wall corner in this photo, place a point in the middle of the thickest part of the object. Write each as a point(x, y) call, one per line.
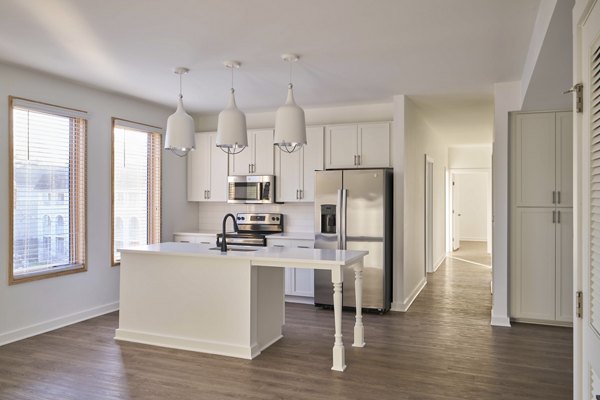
point(500, 320)
point(404, 305)
point(397, 143)
point(507, 98)
point(50, 325)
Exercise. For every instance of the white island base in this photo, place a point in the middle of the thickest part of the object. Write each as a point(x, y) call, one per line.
point(189, 297)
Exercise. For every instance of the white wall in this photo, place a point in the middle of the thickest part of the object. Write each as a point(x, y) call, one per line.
point(30, 308)
point(421, 140)
point(472, 205)
point(470, 157)
point(507, 98)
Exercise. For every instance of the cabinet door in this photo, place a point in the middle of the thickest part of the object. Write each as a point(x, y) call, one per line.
point(263, 152)
point(289, 167)
point(374, 145)
point(341, 146)
point(198, 167)
point(564, 265)
point(218, 171)
point(534, 149)
point(312, 161)
point(533, 261)
point(564, 155)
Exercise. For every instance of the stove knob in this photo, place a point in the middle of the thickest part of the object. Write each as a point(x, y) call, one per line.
point(243, 218)
point(239, 218)
point(272, 218)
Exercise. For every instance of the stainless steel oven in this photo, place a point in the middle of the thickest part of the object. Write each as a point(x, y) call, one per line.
point(251, 189)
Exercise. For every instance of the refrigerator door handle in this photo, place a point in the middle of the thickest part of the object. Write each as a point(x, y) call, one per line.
point(344, 198)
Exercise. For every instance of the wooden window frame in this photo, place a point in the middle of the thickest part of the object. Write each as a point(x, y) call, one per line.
point(78, 220)
point(152, 217)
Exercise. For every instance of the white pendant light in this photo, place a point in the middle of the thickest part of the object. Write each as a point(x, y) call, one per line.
point(180, 125)
point(232, 136)
point(290, 125)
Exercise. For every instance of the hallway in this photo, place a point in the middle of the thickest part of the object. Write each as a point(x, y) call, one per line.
point(443, 348)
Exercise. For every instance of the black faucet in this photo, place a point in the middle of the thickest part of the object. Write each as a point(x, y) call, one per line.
point(235, 228)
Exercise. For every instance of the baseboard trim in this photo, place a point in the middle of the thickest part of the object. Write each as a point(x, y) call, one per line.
point(405, 305)
point(564, 324)
point(190, 344)
point(299, 299)
point(50, 325)
point(440, 262)
point(500, 320)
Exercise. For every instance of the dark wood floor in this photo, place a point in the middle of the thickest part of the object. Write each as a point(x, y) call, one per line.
point(443, 348)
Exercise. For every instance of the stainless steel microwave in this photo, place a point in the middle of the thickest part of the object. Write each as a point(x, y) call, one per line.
point(251, 189)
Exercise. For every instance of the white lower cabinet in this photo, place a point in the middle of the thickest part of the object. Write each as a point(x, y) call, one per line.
point(299, 282)
point(191, 237)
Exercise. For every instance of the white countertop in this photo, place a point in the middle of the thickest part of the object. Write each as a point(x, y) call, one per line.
point(263, 256)
point(293, 236)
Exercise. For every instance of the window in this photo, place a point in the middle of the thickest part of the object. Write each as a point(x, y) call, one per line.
point(47, 155)
point(136, 175)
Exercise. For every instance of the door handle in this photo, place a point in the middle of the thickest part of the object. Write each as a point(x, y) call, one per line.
point(558, 195)
point(358, 158)
point(553, 217)
point(208, 194)
point(558, 217)
point(554, 197)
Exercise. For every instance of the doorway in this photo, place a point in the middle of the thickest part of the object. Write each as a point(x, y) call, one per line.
point(469, 215)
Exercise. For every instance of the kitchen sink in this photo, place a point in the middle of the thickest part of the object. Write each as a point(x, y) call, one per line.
point(229, 248)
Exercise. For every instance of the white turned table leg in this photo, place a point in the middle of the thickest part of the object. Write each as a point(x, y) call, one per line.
point(359, 329)
point(339, 358)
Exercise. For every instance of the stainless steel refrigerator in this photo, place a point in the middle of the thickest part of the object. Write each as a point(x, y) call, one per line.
point(353, 211)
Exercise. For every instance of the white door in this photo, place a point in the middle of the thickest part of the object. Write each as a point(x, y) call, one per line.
point(240, 164)
point(313, 161)
point(564, 159)
point(535, 160)
point(587, 331)
point(288, 175)
point(341, 146)
point(218, 171)
point(263, 152)
point(198, 169)
point(374, 145)
point(428, 214)
point(455, 214)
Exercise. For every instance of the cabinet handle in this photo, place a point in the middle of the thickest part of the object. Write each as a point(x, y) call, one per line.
point(208, 194)
point(558, 195)
point(249, 168)
point(553, 217)
point(303, 247)
point(204, 242)
point(358, 157)
point(297, 195)
point(558, 217)
point(301, 194)
point(278, 245)
point(553, 197)
point(184, 241)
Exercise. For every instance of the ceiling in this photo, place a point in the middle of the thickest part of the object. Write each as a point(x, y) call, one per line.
point(352, 51)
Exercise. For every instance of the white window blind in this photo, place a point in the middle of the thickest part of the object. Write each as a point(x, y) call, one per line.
point(136, 185)
point(595, 189)
point(48, 177)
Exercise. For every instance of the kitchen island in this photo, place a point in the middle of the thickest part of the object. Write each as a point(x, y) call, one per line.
point(194, 297)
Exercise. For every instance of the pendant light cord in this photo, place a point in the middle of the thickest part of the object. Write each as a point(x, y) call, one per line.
point(232, 90)
point(291, 62)
point(180, 87)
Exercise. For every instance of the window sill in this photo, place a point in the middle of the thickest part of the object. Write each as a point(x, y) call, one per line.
point(49, 273)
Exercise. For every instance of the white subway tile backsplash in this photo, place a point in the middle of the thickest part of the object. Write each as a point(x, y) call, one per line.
point(298, 217)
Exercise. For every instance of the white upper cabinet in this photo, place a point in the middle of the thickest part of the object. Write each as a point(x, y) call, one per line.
point(296, 171)
point(358, 146)
point(564, 159)
point(257, 158)
point(207, 170)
